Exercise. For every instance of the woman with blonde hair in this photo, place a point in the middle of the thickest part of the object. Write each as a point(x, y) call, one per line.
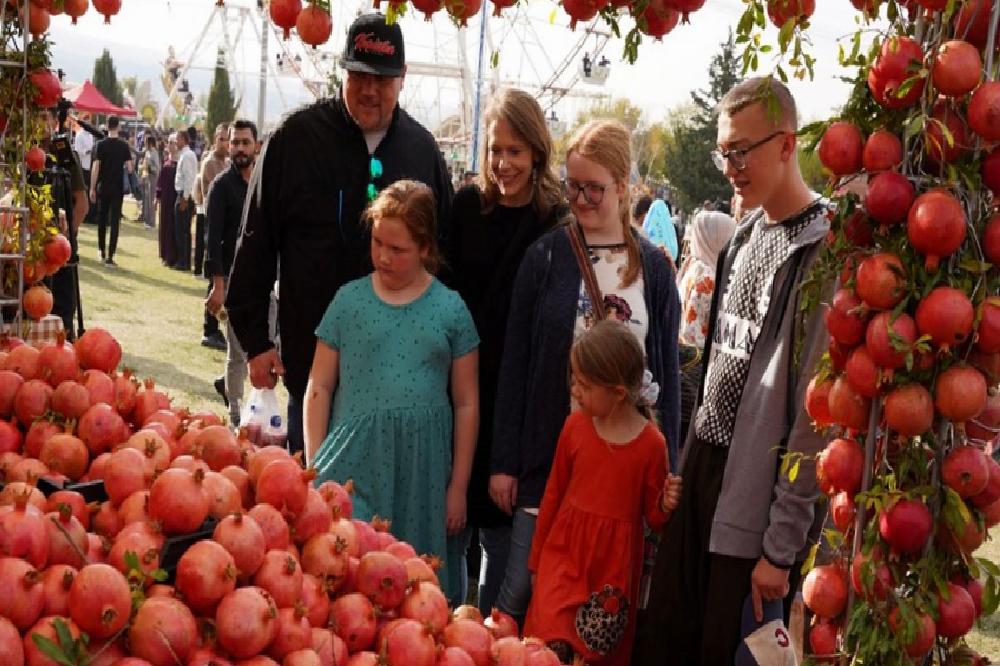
point(516, 199)
point(573, 276)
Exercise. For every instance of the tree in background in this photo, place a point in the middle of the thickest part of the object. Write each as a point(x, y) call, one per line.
point(222, 103)
point(106, 80)
point(687, 165)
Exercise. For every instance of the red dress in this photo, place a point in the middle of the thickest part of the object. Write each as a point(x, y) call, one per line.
point(587, 548)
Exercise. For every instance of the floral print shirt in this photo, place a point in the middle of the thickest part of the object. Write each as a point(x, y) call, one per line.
point(626, 304)
point(697, 285)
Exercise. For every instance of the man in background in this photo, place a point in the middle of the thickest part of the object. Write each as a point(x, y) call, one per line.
point(212, 164)
point(112, 159)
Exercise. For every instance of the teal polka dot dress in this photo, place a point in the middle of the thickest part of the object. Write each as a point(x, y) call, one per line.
point(391, 419)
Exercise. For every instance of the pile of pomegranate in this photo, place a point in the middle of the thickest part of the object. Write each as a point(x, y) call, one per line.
point(913, 365)
point(271, 570)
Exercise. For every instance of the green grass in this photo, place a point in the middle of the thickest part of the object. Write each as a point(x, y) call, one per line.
point(156, 314)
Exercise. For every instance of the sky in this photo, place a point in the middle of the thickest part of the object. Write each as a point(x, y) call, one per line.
point(662, 78)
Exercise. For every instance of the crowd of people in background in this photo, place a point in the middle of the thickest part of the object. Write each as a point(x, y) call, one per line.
point(562, 374)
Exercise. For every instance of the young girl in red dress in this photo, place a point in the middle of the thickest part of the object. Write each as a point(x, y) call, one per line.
point(609, 474)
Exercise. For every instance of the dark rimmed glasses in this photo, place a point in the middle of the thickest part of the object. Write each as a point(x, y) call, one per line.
point(739, 157)
point(374, 173)
point(593, 193)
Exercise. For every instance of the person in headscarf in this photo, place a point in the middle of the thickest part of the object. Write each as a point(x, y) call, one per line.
point(660, 229)
point(710, 232)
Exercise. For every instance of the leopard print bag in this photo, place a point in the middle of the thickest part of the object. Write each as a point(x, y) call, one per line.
point(602, 619)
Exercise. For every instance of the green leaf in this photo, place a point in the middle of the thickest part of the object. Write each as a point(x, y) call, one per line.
point(914, 125)
point(51, 650)
point(810, 560)
point(989, 567)
point(62, 632)
point(991, 597)
point(793, 473)
point(495, 59)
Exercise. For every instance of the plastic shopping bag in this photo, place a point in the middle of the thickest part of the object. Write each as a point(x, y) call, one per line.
point(264, 419)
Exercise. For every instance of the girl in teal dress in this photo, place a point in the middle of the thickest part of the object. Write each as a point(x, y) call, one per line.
point(392, 400)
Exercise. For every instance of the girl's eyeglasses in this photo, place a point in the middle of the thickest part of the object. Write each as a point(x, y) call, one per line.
point(374, 173)
point(593, 193)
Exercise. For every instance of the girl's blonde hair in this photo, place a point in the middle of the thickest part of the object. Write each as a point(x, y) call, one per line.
point(609, 355)
point(412, 203)
point(608, 143)
point(521, 111)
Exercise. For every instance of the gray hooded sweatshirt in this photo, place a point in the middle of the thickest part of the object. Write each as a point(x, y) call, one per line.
point(759, 511)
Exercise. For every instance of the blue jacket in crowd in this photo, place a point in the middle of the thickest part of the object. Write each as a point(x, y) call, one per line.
point(660, 228)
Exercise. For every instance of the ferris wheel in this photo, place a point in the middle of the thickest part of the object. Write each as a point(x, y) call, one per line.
point(451, 72)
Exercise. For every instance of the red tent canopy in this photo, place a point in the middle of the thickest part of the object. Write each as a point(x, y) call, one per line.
point(86, 97)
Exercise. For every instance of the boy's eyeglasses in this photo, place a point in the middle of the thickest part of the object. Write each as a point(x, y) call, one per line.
point(593, 193)
point(739, 157)
point(374, 173)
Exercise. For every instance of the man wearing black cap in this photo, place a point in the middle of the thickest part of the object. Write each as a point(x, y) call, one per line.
point(317, 173)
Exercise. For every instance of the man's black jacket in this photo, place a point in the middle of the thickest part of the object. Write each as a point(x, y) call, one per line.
point(304, 207)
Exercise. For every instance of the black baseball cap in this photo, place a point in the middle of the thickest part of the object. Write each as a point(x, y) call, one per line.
point(374, 47)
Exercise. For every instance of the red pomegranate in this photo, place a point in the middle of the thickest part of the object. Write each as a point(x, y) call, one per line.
point(936, 226)
point(48, 90)
point(57, 362)
point(259, 459)
point(847, 407)
point(988, 332)
point(906, 525)
point(658, 22)
point(74, 501)
point(148, 401)
point(945, 315)
point(281, 576)
point(881, 280)
point(782, 11)
point(922, 637)
point(284, 485)
point(862, 373)
point(107, 8)
point(578, 10)
point(34, 159)
point(178, 501)
point(846, 318)
point(11, 439)
point(889, 197)
point(966, 470)
point(135, 508)
point(870, 576)
point(823, 638)
point(325, 556)
point(843, 511)
point(841, 147)
point(217, 446)
point(126, 392)
point(67, 538)
point(315, 518)
point(206, 572)
point(352, 618)
point(46, 628)
point(241, 480)
point(408, 642)
point(98, 350)
point(892, 68)
point(65, 454)
point(22, 596)
point(684, 7)
point(243, 538)
point(246, 622)
point(101, 428)
point(472, 637)
point(105, 520)
point(909, 410)
point(23, 360)
point(39, 20)
point(983, 113)
point(338, 497)
point(430, 7)
point(960, 393)
point(314, 25)
point(426, 604)
point(382, 578)
point(163, 632)
point(316, 599)
point(37, 302)
point(100, 600)
point(840, 465)
point(71, 399)
point(889, 341)
point(10, 382)
point(991, 234)
point(224, 499)
point(956, 614)
point(57, 252)
point(986, 425)
point(973, 20)
point(817, 402)
point(124, 474)
point(294, 633)
point(276, 533)
point(75, 8)
point(57, 581)
point(957, 68)
point(284, 14)
point(146, 547)
point(883, 151)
